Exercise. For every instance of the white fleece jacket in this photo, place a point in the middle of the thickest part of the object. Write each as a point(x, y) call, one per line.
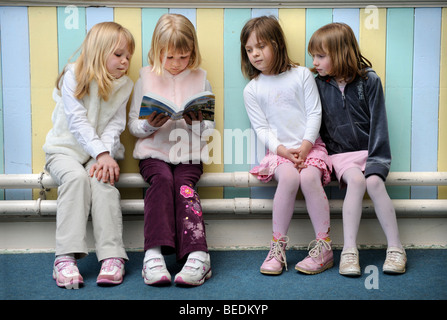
point(174, 142)
point(87, 127)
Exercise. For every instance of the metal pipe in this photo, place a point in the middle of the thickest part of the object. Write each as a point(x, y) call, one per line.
point(241, 207)
point(215, 179)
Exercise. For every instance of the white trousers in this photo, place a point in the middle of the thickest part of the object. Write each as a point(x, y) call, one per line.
point(79, 195)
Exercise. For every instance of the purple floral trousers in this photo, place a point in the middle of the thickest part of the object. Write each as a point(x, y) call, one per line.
point(172, 211)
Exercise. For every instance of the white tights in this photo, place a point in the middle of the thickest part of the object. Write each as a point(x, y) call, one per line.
point(352, 207)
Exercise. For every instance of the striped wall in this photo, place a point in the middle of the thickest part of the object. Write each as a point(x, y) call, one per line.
point(407, 46)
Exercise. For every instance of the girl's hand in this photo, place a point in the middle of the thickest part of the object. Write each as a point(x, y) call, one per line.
point(157, 119)
point(192, 116)
point(304, 150)
point(105, 168)
point(290, 154)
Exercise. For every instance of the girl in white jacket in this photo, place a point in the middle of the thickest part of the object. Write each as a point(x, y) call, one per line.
point(81, 149)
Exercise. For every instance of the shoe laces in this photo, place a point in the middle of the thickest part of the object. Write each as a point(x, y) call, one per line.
point(318, 246)
point(278, 250)
point(109, 264)
point(394, 256)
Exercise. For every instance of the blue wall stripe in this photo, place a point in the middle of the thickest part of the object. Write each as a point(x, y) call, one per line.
point(427, 36)
point(398, 89)
point(235, 118)
point(16, 94)
point(349, 16)
point(149, 18)
point(96, 15)
point(71, 33)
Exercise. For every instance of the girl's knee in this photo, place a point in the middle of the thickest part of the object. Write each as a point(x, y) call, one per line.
point(374, 184)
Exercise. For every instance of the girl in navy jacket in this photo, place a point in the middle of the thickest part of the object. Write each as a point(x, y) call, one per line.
point(355, 131)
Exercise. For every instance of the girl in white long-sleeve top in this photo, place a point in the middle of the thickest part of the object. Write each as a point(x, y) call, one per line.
point(284, 108)
point(81, 148)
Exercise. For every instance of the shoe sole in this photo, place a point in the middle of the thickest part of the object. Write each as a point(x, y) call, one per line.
point(352, 273)
point(161, 281)
point(393, 271)
point(270, 272)
point(179, 280)
point(324, 268)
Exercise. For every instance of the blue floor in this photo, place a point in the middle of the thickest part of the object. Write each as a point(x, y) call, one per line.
point(236, 276)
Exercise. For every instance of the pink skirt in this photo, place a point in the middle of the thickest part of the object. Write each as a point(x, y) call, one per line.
point(343, 161)
point(317, 157)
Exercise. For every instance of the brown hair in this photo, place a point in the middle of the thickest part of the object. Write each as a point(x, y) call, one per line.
point(269, 30)
point(338, 41)
point(101, 41)
point(173, 32)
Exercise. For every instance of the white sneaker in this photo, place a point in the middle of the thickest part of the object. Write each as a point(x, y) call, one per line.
point(349, 262)
point(154, 271)
point(195, 271)
point(395, 261)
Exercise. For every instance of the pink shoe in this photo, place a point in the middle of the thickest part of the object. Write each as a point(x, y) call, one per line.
point(276, 258)
point(112, 272)
point(319, 259)
point(66, 273)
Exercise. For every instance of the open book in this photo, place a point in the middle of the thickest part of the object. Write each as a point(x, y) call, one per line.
point(203, 101)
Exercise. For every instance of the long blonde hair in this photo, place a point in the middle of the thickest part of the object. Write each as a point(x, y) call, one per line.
point(173, 32)
point(101, 41)
point(338, 41)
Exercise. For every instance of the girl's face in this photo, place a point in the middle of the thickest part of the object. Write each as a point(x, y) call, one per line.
point(177, 62)
point(322, 63)
point(118, 62)
point(260, 54)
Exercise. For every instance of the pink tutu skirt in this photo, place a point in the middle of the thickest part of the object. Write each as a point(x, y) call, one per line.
point(317, 157)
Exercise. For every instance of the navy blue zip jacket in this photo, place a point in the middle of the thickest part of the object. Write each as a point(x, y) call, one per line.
point(356, 120)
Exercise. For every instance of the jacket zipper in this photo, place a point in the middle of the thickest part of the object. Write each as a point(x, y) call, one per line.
point(350, 118)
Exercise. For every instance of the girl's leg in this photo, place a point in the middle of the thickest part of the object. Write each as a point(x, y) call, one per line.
point(384, 209)
point(352, 205)
point(352, 212)
point(190, 234)
point(73, 204)
point(320, 256)
point(107, 219)
point(396, 257)
point(284, 200)
point(159, 210)
point(316, 201)
point(159, 222)
point(73, 207)
point(283, 205)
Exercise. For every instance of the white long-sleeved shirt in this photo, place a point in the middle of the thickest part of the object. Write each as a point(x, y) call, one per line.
point(89, 126)
point(285, 108)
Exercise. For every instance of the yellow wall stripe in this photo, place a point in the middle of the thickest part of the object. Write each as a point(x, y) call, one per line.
point(43, 70)
point(293, 22)
point(373, 38)
point(210, 37)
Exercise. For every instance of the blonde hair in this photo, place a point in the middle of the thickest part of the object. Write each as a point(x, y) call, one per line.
point(101, 41)
point(338, 41)
point(267, 29)
point(173, 32)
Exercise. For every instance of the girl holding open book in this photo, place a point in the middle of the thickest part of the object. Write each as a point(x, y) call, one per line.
point(173, 219)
